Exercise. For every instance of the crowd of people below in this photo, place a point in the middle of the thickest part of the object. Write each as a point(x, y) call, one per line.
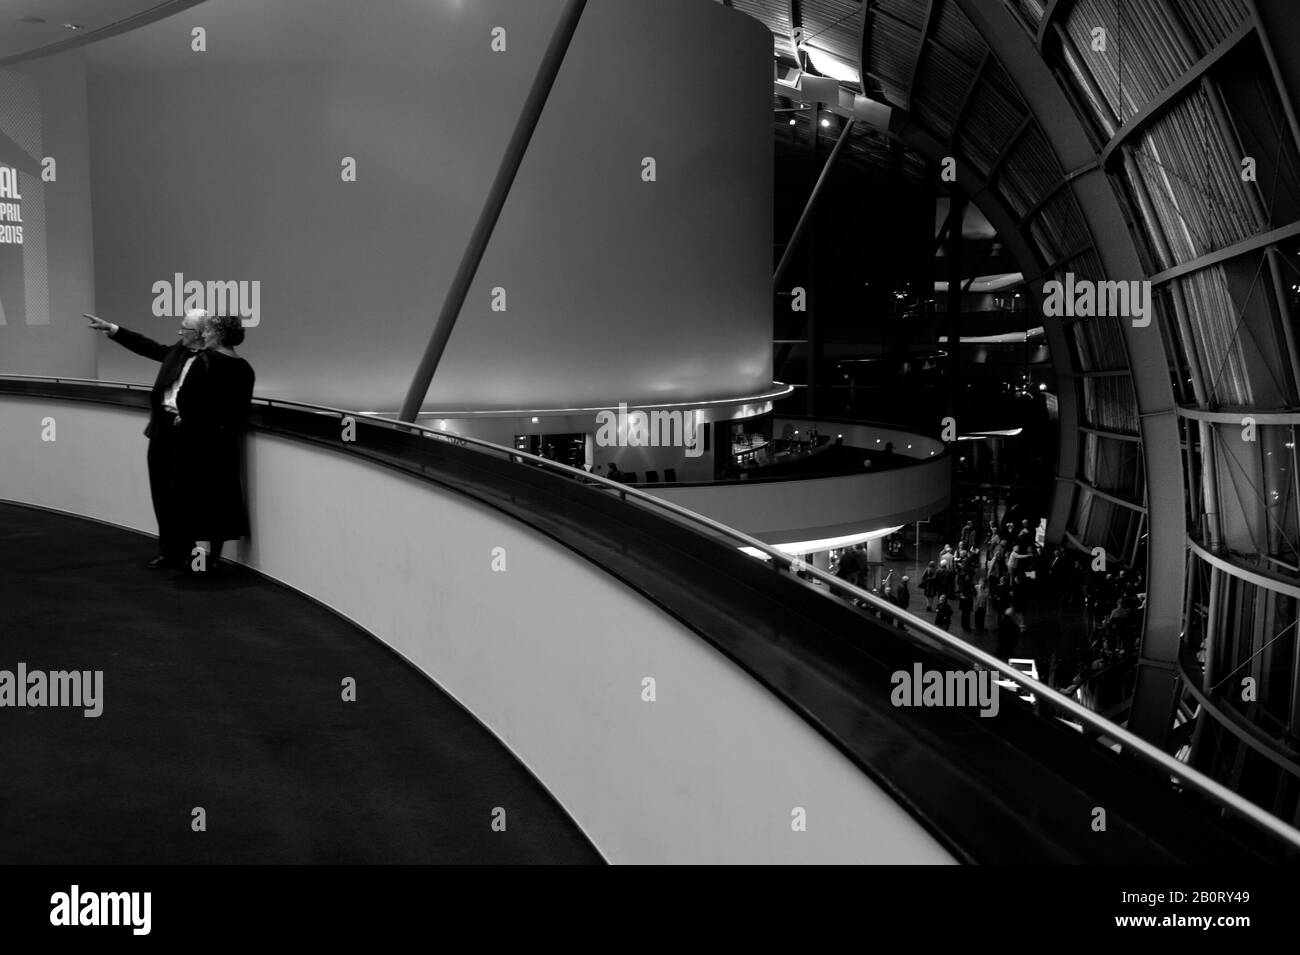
point(1113, 604)
point(990, 581)
point(995, 581)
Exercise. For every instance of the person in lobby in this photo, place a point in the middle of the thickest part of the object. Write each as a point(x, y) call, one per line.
point(965, 604)
point(928, 578)
point(943, 613)
point(903, 595)
point(213, 411)
point(981, 603)
point(170, 469)
point(852, 565)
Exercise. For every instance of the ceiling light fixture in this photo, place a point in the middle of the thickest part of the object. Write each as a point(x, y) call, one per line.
point(832, 66)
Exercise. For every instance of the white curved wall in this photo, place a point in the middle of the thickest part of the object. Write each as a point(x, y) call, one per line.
point(227, 165)
point(782, 512)
point(549, 655)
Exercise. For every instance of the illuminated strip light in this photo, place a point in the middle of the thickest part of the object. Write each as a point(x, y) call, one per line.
point(997, 339)
point(986, 283)
point(807, 547)
point(979, 435)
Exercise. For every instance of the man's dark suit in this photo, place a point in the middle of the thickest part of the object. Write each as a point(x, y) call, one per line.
point(170, 454)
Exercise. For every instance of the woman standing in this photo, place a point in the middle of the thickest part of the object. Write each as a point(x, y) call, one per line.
point(214, 411)
point(981, 603)
point(998, 562)
point(927, 584)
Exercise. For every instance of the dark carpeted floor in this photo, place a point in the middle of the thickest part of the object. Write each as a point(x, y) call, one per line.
point(227, 696)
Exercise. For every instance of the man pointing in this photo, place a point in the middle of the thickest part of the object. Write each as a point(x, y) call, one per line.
point(170, 475)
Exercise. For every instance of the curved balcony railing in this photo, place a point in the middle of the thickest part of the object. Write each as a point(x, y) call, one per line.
point(918, 631)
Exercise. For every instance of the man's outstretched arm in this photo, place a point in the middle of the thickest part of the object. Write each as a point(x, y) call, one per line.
point(128, 339)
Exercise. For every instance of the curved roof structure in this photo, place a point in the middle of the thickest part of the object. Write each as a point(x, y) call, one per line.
point(1141, 141)
point(38, 29)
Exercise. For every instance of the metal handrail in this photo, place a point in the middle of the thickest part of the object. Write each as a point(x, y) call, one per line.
point(1187, 775)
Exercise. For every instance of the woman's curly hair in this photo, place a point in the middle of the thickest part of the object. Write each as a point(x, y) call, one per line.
point(229, 329)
